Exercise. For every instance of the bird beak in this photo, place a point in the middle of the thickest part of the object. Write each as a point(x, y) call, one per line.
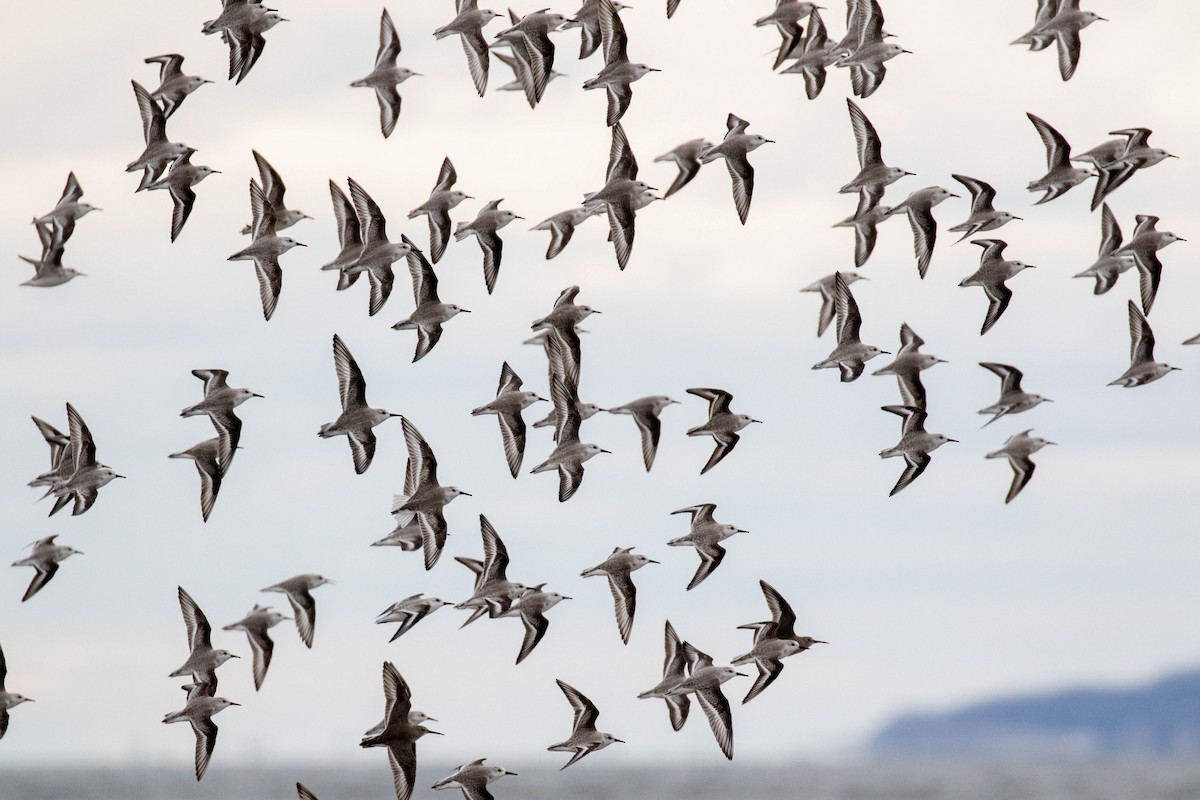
point(1020, 218)
point(567, 598)
point(941, 361)
point(652, 69)
point(419, 75)
point(466, 494)
point(118, 476)
point(517, 216)
point(886, 352)
point(301, 244)
point(744, 675)
point(622, 741)
point(430, 719)
point(255, 394)
point(952, 194)
point(395, 415)
point(469, 197)
point(909, 173)
point(1051, 442)
point(953, 440)
point(820, 641)
point(602, 450)
point(506, 772)
point(651, 561)
point(742, 530)
point(1181, 239)
point(465, 310)
point(759, 421)
point(770, 141)
point(231, 655)
point(902, 50)
point(329, 581)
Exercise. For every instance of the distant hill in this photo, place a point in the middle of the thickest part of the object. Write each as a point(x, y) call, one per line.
point(1159, 720)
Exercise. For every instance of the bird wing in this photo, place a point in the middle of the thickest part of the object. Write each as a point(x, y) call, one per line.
point(725, 442)
point(270, 283)
point(585, 710)
point(352, 387)
point(720, 719)
point(305, 608)
point(870, 150)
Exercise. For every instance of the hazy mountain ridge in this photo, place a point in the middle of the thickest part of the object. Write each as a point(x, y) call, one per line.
point(1161, 719)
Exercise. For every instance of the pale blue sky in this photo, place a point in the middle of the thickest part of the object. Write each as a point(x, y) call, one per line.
point(938, 595)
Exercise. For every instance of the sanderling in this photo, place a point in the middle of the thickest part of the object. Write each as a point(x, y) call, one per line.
point(378, 252)
point(1133, 153)
point(274, 189)
point(722, 424)
point(562, 343)
point(473, 779)
point(569, 452)
point(767, 654)
point(1017, 449)
point(66, 211)
point(1109, 264)
point(357, 418)
point(705, 535)
point(179, 182)
point(1143, 368)
point(173, 85)
point(493, 590)
point(159, 152)
point(489, 220)
point(507, 407)
point(773, 641)
point(645, 411)
point(219, 401)
point(424, 498)
point(621, 195)
point(993, 271)
point(1144, 245)
point(674, 670)
point(398, 734)
point(349, 237)
point(437, 209)
point(244, 36)
point(705, 682)
point(850, 355)
point(812, 56)
point(1013, 400)
point(1059, 21)
point(867, 50)
point(867, 216)
point(48, 268)
point(297, 589)
point(873, 175)
point(687, 157)
point(386, 75)
point(617, 568)
point(86, 476)
point(7, 699)
point(207, 457)
point(429, 315)
point(44, 558)
point(907, 367)
point(734, 148)
point(562, 226)
point(60, 450)
point(256, 624)
point(265, 250)
point(531, 608)
point(468, 24)
point(584, 737)
point(409, 611)
point(618, 72)
point(405, 536)
point(535, 29)
point(984, 216)
point(203, 660)
point(825, 287)
point(1060, 175)
point(915, 445)
point(919, 207)
point(783, 618)
point(199, 711)
point(786, 18)
point(587, 19)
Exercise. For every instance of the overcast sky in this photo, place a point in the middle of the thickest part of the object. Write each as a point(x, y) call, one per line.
point(934, 597)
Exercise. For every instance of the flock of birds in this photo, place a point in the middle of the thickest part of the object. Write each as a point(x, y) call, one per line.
point(76, 476)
